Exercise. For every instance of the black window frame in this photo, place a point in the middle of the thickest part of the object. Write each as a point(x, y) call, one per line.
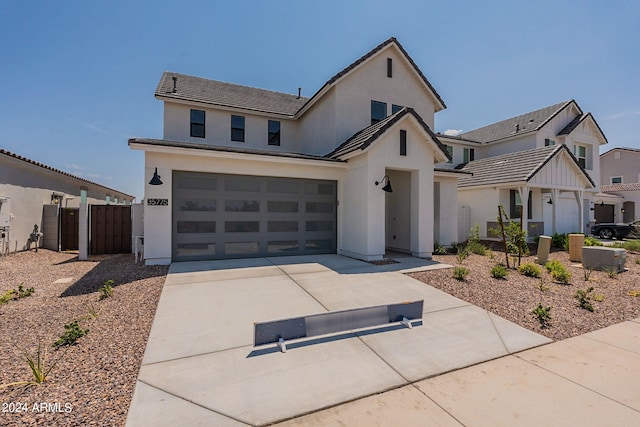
point(468, 155)
point(237, 132)
point(515, 209)
point(403, 142)
point(390, 67)
point(197, 128)
point(375, 119)
point(273, 136)
point(395, 108)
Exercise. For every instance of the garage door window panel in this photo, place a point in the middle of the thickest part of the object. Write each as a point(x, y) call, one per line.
point(241, 248)
point(319, 207)
point(242, 226)
point(319, 245)
point(242, 206)
point(282, 226)
point(197, 205)
point(288, 246)
point(196, 249)
point(241, 183)
point(282, 207)
point(196, 227)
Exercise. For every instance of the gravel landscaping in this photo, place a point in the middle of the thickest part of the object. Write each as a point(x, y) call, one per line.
point(93, 382)
point(515, 297)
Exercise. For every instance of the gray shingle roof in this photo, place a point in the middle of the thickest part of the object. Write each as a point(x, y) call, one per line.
point(364, 138)
point(209, 147)
point(520, 166)
point(528, 122)
point(633, 150)
point(215, 92)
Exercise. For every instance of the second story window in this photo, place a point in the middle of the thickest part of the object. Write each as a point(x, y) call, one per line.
point(378, 111)
point(395, 108)
point(469, 155)
point(616, 180)
point(403, 142)
point(274, 132)
point(389, 67)
point(548, 142)
point(197, 123)
point(580, 151)
point(450, 151)
point(237, 128)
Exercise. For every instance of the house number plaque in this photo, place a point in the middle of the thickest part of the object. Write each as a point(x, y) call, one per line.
point(158, 202)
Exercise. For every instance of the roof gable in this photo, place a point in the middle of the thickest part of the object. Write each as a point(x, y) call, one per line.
point(521, 166)
point(214, 92)
point(583, 118)
point(629, 149)
point(387, 44)
point(519, 125)
point(367, 136)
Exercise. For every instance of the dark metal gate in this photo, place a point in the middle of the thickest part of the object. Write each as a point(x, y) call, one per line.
point(69, 225)
point(110, 229)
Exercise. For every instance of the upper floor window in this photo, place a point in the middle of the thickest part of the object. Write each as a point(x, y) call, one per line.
point(378, 111)
point(548, 142)
point(197, 123)
point(580, 151)
point(403, 142)
point(450, 151)
point(274, 132)
point(389, 67)
point(237, 128)
point(395, 108)
point(616, 180)
point(469, 155)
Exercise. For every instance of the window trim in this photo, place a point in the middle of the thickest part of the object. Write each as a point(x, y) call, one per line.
point(242, 138)
point(271, 136)
point(193, 123)
point(576, 148)
point(614, 177)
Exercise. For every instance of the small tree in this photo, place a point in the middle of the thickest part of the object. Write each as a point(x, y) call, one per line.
point(514, 237)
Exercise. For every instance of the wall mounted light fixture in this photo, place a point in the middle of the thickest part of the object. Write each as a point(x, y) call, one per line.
point(387, 187)
point(156, 179)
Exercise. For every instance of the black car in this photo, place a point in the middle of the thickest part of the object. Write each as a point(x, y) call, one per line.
point(619, 231)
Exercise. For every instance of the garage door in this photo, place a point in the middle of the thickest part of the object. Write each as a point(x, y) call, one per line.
point(218, 216)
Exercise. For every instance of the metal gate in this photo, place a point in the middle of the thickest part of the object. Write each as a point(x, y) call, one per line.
point(69, 225)
point(110, 229)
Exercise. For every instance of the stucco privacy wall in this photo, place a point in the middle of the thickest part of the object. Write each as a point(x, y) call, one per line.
point(29, 187)
point(157, 219)
point(445, 210)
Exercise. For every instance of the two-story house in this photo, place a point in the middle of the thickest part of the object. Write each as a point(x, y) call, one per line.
point(247, 172)
point(620, 172)
point(542, 166)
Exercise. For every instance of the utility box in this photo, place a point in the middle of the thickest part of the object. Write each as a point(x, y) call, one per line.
point(603, 259)
point(576, 242)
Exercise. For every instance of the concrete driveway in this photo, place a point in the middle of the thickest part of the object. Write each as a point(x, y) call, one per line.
point(200, 366)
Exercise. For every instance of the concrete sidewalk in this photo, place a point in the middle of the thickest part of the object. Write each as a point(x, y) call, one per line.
point(200, 367)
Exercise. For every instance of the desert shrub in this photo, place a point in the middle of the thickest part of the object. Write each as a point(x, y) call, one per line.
point(460, 273)
point(462, 254)
point(584, 298)
point(558, 271)
point(106, 290)
point(499, 271)
point(630, 245)
point(560, 241)
point(530, 269)
point(552, 265)
point(476, 248)
point(543, 314)
point(72, 332)
point(591, 241)
point(439, 249)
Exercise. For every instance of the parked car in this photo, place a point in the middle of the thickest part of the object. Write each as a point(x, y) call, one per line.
point(619, 231)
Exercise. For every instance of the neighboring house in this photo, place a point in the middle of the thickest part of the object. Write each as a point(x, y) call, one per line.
point(28, 187)
point(620, 169)
point(542, 164)
point(248, 172)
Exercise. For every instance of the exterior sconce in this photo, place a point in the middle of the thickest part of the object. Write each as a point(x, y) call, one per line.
point(156, 179)
point(622, 210)
point(56, 199)
point(387, 187)
point(550, 201)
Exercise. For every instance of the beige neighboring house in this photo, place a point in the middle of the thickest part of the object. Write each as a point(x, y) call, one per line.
point(620, 202)
point(28, 187)
point(543, 163)
point(247, 172)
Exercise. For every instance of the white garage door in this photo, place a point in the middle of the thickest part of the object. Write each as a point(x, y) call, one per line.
point(218, 216)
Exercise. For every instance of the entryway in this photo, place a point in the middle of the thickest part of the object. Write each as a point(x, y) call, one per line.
point(398, 212)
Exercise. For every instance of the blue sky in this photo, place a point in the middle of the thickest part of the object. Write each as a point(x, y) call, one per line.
point(78, 77)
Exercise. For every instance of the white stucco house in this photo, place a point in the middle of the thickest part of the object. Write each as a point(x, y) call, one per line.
point(543, 164)
point(620, 197)
point(246, 172)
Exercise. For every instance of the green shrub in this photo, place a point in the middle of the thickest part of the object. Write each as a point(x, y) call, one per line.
point(460, 273)
point(630, 245)
point(543, 314)
point(439, 249)
point(72, 332)
point(592, 241)
point(7, 296)
point(530, 269)
point(477, 248)
point(107, 290)
point(558, 271)
point(462, 254)
point(552, 265)
point(560, 241)
point(499, 271)
point(584, 298)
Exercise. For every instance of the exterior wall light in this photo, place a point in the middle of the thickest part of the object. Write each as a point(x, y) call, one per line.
point(156, 179)
point(387, 187)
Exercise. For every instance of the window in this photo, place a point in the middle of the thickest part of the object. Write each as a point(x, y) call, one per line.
point(469, 155)
point(237, 128)
point(515, 205)
point(378, 111)
point(548, 142)
point(616, 180)
point(274, 132)
point(403, 142)
point(450, 151)
point(197, 123)
point(580, 151)
point(395, 108)
point(389, 67)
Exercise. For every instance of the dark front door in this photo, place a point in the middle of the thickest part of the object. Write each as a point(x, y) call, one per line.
point(110, 229)
point(69, 225)
point(603, 213)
